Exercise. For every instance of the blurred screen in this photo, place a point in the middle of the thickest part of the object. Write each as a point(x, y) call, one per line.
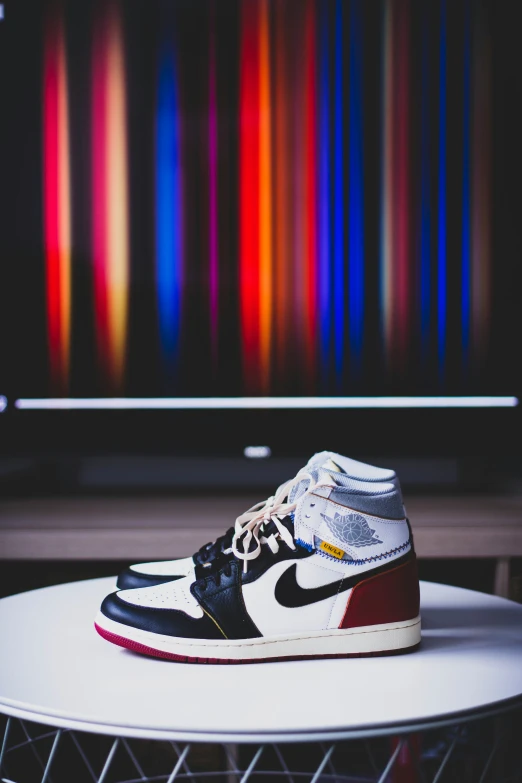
point(258, 197)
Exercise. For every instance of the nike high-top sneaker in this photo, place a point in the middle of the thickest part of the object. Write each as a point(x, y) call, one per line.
point(156, 573)
point(326, 569)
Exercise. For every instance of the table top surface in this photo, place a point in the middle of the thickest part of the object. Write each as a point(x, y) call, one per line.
point(55, 669)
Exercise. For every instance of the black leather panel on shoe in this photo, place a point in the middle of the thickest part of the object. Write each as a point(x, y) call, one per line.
point(220, 595)
point(130, 580)
point(169, 622)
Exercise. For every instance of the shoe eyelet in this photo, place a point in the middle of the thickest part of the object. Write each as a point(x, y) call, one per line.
point(307, 516)
point(312, 505)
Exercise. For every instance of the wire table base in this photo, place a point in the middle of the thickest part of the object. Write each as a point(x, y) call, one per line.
point(483, 750)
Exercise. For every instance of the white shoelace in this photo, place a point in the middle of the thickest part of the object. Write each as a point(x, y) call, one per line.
point(273, 509)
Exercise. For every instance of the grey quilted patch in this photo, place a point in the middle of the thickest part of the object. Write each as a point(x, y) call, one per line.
point(352, 529)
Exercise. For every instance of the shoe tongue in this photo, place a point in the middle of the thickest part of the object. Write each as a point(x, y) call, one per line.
point(212, 566)
point(329, 467)
point(270, 527)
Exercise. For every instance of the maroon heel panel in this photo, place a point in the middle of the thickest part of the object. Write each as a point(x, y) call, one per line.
point(389, 597)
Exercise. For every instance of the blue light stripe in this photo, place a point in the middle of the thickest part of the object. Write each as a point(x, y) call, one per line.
point(168, 205)
point(442, 230)
point(339, 211)
point(466, 193)
point(324, 158)
point(425, 238)
point(356, 193)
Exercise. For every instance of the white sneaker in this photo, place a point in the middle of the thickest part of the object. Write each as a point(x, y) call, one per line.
point(159, 572)
point(326, 568)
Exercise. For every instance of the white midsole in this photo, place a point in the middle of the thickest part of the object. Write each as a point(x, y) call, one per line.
point(365, 639)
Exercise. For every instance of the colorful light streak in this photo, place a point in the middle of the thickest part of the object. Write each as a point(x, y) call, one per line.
point(310, 192)
point(265, 199)
point(425, 193)
point(402, 174)
point(324, 194)
point(356, 188)
point(110, 195)
point(481, 188)
point(387, 214)
point(249, 196)
point(303, 286)
point(395, 193)
point(57, 202)
point(339, 216)
point(169, 205)
point(282, 197)
point(441, 203)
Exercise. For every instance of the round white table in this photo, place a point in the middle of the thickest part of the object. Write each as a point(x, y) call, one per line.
point(56, 671)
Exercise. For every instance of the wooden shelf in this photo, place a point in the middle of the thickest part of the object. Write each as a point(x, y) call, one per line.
point(151, 528)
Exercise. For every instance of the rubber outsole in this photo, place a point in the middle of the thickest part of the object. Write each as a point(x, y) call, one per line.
point(129, 644)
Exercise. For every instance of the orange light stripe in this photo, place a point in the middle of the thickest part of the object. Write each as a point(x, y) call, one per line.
point(110, 199)
point(117, 206)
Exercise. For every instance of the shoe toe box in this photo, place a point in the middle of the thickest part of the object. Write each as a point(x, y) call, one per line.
point(130, 579)
point(158, 619)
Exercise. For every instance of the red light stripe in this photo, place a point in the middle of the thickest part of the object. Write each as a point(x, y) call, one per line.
point(387, 194)
point(265, 198)
point(481, 189)
point(99, 197)
point(56, 188)
point(281, 185)
point(249, 228)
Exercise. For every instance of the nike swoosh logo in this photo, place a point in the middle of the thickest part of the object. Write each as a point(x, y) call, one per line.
point(290, 594)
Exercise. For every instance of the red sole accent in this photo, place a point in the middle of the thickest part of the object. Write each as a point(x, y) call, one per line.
point(145, 650)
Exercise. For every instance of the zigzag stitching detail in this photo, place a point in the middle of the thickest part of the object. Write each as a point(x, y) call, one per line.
point(304, 544)
point(384, 556)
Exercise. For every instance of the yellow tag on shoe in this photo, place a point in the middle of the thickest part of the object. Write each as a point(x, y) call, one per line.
point(331, 550)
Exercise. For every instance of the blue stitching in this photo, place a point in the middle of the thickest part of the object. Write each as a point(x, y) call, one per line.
point(304, 544)
point(384, 556)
